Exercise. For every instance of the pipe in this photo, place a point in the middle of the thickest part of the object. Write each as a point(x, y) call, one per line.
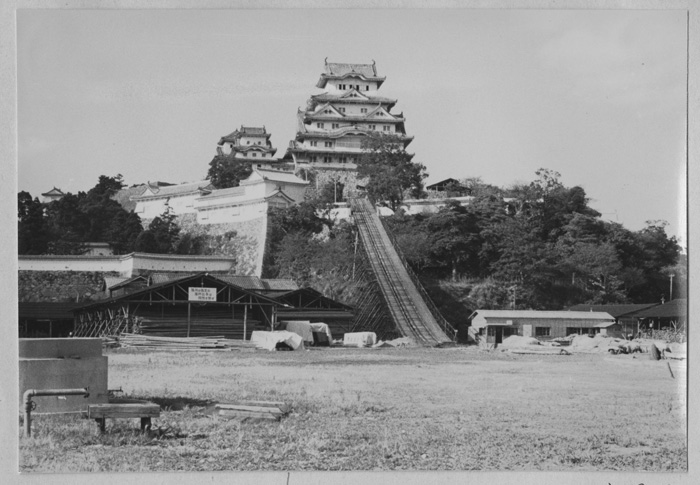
point(29, 404)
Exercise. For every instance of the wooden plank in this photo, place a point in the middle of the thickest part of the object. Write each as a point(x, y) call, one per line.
point(227, 413)
point(283, 407)
point(96, 411)
point(252, 409)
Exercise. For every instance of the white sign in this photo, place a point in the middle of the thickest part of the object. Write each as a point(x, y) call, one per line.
point(202, 294)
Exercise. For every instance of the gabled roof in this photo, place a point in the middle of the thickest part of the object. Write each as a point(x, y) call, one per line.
point(672, 309)
point(245, 130)
point(443, 183)
point(53, 192)
point(343, 98)
point(319, 111)
point(335, 70)
point(246, 282)
point(199, 278)
point(616, 311)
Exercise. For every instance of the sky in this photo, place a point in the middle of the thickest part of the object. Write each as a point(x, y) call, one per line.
point(596, 95)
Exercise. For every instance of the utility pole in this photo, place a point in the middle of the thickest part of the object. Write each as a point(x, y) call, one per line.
point(670, 289)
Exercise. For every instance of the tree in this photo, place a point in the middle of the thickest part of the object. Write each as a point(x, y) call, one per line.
point(32, 229)
point(389, 170)
point(162, 234)
point(227, 171)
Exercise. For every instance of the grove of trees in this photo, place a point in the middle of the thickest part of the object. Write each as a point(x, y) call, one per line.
point(540, 246)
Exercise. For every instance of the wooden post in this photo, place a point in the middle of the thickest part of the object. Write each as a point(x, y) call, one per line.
point(189, 311)
point(233, 314)
point(245, 320)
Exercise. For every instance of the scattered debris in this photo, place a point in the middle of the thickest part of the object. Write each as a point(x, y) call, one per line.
point(132, 340)
point(277, 340)
point(360, 339)
point(253, 409)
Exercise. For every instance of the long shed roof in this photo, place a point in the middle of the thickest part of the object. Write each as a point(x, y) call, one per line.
point(536, 314)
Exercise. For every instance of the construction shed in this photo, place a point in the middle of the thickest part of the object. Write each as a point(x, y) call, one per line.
point(190, 306)
point(310, 305)
point(490, 327)
point(670, 315)
point(624, 314)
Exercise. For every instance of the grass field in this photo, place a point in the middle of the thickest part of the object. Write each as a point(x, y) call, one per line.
point(382, 409)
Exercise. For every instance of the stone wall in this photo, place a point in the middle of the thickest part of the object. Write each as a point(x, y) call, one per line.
point(244, 241)
point(348, 178)
point(61, 286)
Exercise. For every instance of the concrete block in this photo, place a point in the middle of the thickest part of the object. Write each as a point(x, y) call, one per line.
point(56, 348)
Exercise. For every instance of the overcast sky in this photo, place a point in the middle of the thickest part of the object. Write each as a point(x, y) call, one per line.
point(599, 96)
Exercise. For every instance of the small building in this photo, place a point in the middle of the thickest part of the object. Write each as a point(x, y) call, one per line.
point(191, 306)
point(310, 305)
point(250, 143)
point(669, 315)
point(490, 327)
point(624, 314)
point(51, 195)
point(450, 186)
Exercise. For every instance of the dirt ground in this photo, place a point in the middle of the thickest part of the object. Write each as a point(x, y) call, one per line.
point(389, 409)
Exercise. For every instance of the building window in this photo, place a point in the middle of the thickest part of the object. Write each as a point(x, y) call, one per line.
point(326, 159)
point(363, 110)
point(313, 159)
point(367, 88)
point(386, 128)
point(491, 331)
point(314, 143)
point(328, 144)
point(327, 111)
point(343, 159)
point(372, 127)
point(335, 125)
point(263, 155)
point(319, 125)
point(542, 331)
point(342, 110)
point(255, 154)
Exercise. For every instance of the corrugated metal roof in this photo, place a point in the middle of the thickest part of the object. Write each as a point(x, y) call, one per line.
point(559, 315)
point(672, 309)
point(614, 310)
point(242, 281)
point(280, 285)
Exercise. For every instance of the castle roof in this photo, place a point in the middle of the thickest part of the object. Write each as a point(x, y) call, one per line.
point(334, 70)
point(175, 190)
point(53, 192)
point(245, 130)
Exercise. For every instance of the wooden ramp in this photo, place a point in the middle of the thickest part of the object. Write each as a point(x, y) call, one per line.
point(405, 303)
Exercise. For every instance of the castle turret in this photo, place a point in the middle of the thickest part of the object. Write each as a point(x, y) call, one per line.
point(249, 143)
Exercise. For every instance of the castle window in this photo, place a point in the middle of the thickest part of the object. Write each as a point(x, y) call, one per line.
point(263, 155)
point(312, 159)
point(386, 128)
point(367, 88)
point(328, 144)
point(363, 110)
point(319, 125)
point(326, 159)
point(335, 125)
point(342, 110)
point(255, 154)
point(343, 159)
point(372, 127)
point(314, 143)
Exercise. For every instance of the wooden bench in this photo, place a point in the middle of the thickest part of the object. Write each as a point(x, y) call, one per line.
point(145, 411)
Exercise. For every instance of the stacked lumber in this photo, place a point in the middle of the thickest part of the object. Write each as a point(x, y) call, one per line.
point(253, 409)
point(150, 342)
point(173, 326)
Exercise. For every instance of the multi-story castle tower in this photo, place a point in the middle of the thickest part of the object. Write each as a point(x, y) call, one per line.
point(331, 128)
point(249, 143)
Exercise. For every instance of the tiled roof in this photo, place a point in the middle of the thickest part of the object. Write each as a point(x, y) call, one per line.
point(338, 69)
point(278, 176)
point(614, 310)
point(181, 189)
point(54, 191)
point(336, 98)
point(672, 309)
